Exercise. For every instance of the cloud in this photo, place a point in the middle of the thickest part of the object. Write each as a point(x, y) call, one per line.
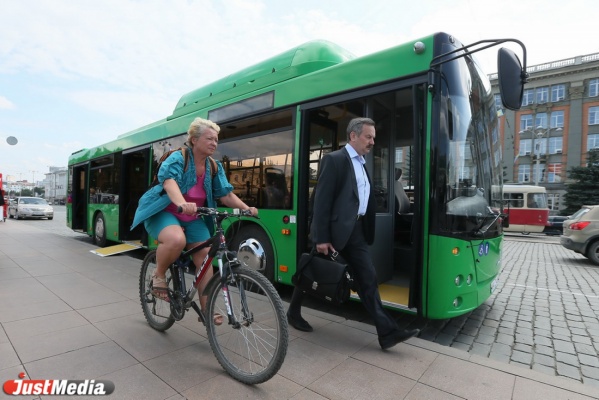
point(6, 104)
point(83, 72)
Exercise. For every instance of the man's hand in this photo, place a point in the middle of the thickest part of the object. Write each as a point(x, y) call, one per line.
point(324, 248)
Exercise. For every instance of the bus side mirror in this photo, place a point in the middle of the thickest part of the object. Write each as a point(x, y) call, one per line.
point(511, 79)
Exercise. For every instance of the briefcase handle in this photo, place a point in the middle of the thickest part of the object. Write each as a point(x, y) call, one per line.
point(332, 255)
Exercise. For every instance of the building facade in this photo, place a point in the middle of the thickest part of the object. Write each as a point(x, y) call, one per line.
point(55, 185)
point(556, 126)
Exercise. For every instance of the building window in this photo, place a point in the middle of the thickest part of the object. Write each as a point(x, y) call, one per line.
point(398, 155)
point(524, 173)
point(525, 147)
point(528, 97)
point(557, 119)
point(594, 88)
point(555, 145)
point(592, 142)
point(525, 122)
point(541, 120)
point(498, 102)
point(594, 116)
point(553, 201)
point(542, 95)
point(558, 92)
point(554, 172)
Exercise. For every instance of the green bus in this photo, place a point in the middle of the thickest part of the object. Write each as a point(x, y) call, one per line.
point(436, 161)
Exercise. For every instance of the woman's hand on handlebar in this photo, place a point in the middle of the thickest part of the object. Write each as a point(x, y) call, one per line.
point(188, 208)
point(252, 210)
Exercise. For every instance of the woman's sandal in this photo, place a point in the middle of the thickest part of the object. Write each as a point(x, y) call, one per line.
point(217, 318)
point(160, 292)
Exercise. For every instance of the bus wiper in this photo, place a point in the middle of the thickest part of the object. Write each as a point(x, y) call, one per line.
point(484, 227)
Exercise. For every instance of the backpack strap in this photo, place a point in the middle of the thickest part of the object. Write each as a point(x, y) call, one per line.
point(213, 167)
point(185, 153)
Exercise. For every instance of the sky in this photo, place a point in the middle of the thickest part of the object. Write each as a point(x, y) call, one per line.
point(78, 73)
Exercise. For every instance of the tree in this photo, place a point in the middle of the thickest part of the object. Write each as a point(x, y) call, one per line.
point(38, 191)
point(584, 188)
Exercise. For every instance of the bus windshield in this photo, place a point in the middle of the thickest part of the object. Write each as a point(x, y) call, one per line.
point(473, 161)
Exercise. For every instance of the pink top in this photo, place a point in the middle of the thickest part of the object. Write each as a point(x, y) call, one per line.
point(197, 194)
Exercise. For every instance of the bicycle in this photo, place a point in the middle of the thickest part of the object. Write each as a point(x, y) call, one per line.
point(251, 343)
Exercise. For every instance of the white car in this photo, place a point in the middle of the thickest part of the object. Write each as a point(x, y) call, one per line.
point(30, 207)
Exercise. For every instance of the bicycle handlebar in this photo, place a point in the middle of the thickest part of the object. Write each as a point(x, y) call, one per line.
point(214, 211)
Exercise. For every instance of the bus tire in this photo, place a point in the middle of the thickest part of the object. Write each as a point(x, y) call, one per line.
point(250, 239)
point(100, 230)
point(593, 252)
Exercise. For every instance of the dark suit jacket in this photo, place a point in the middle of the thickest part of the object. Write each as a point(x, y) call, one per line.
point(336, 202)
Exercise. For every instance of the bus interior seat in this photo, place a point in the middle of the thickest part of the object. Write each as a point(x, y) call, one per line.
point(275, 189)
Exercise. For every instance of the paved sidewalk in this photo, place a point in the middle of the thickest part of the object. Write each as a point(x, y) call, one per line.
point(66, 313)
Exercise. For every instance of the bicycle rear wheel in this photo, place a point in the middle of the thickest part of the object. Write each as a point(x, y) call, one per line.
point(254, 351)
point(157, 311)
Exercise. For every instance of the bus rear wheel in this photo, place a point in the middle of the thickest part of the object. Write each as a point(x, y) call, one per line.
point(254, 250)
point(100, 230)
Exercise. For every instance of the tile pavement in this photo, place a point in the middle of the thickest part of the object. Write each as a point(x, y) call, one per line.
point(544, 315)
point(68, 314)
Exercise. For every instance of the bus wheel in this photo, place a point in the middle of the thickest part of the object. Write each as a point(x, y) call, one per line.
point(593, 252)
point(254, 250)
point(100, 230)
point(526, 233)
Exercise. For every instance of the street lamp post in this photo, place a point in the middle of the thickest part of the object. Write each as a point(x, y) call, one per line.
point(33, 182)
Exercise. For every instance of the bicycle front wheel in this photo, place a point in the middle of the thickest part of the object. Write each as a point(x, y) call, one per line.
point(253, 351)
point(157, 311)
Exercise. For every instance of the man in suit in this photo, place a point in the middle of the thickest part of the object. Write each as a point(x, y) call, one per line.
point(343, 221)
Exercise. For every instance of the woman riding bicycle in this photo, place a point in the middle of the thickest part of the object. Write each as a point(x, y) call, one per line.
point(183, 183)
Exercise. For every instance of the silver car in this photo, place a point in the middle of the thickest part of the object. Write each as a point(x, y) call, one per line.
point(30, 207)
point(581, 233)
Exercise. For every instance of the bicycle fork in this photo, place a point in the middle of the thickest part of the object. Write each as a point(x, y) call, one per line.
point(224, 276)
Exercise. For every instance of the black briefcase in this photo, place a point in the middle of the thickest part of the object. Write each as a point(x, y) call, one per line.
point(325, 277)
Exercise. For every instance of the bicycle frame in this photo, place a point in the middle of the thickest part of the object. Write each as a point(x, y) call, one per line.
point(184, 260)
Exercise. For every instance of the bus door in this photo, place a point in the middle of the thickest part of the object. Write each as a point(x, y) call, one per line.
point(394, 159)
point(80, 198)
point(135, 176)
point(325, 126)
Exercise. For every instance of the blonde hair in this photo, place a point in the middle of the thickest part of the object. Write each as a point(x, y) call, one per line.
point(199, 126)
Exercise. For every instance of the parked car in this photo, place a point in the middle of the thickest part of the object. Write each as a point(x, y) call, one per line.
point(30, 207)
point(555, 225)
point(581, 232)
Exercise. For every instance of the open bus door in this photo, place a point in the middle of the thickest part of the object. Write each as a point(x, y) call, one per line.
point(134, 182)
point(79, 197)
point(396, 159)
